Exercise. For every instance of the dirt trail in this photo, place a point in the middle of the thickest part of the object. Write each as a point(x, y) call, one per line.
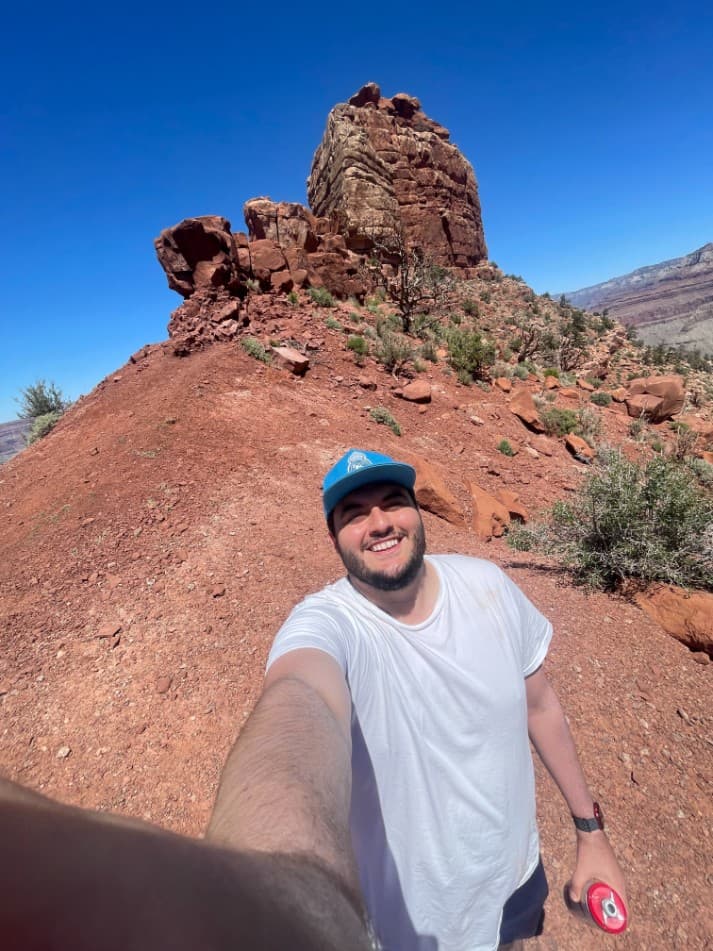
point(151, 545)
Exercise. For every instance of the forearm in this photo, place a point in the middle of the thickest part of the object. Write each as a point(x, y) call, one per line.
point(71, 880)
point(287, 789)
point(551, 737)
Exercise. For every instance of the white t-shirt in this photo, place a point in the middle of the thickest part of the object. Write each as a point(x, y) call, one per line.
point(443, 799)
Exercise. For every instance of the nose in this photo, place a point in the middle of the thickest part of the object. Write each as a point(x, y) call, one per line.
point(379, 521)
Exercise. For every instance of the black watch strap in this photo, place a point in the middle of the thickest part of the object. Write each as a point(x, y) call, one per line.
point(594, 824)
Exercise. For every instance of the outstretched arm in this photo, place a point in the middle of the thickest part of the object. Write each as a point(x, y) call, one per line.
point(551, 737)
point(286, 786)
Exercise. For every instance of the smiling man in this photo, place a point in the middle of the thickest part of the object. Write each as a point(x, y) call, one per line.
point(391, 740)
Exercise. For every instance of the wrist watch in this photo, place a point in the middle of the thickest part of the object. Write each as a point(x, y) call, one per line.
point(590, 825)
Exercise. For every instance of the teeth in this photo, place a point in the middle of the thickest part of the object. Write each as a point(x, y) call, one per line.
point(382, 546)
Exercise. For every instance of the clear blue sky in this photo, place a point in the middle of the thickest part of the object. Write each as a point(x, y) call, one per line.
point(590, 131)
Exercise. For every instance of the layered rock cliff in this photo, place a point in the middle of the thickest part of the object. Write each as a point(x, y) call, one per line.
point(383, 166)
point(670, 302)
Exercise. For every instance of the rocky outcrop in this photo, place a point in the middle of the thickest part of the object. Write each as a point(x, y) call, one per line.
point(687, 615)
point(385, 168)
point(670, 302)
point(655, 398)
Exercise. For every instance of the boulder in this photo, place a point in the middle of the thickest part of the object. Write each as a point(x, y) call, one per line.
point(552, 383)
point(198, 253)
point(645, 406)
point(286, 223)
point(579, 448)
point(432, 493)
point(585, 385)
point(292, 359)
point(668, 388)
point(503, 384)
point(417, 392)
point(523, 406)
point(687, 615)
point(490, 517)
point(384, 168)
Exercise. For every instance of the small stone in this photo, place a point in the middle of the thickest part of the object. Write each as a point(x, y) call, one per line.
point(63, 752)
point(701, 657)
point(109, 630)
point(218, 591)
point(163, 684)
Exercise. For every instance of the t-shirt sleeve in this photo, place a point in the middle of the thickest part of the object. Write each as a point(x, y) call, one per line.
point(534, 631)
point(311, 625)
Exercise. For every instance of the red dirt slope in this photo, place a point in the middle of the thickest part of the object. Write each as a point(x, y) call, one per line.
point(151, 545)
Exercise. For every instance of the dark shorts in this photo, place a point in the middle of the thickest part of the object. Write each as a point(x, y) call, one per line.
point(524, 913)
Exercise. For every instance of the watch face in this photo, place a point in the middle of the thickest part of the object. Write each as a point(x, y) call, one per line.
point(598, 815)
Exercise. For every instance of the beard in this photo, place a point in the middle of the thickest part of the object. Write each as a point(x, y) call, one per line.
point(383, 580)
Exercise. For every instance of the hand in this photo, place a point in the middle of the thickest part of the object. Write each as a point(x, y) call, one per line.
point(595, 862)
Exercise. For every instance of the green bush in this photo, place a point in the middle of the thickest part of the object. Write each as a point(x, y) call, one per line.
point(428, 351)
point(321, 296)
point(468, 353)
point(332, 324)
point(381, 415)
point(470, 307)
point(358, 345)
point(393, 351)
point(521, 372)
point(558, 422)
point(41, 399)
point(552, 371)
point(600, 399)
point(505, 448)
point(650, 522)
point(293, 297)
point(41, 425)
point(255, 349)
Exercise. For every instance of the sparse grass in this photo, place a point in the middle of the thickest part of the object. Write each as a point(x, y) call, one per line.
point(254, 349)
point(558, 422)
point(505, 448)
point(381, 415)
point(600, 399)
point(358, 345)
point(321, 297)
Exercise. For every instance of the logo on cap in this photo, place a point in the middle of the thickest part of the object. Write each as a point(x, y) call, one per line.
point(357, 461)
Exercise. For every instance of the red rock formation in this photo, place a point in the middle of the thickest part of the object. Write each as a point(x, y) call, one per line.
point(383, 167)
point(656, 397)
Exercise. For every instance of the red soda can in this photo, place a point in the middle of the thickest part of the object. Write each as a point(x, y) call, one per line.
point(603, 907)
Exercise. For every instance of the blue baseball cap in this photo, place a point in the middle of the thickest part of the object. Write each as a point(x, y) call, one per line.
point(358, 468)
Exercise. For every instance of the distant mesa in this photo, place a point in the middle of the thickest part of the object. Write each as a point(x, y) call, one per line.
point(669, 303)
point(383, 171)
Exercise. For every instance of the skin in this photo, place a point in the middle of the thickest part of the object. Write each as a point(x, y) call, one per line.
point(276, 868)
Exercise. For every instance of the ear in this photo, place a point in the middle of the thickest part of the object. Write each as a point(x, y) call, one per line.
point(333, 539)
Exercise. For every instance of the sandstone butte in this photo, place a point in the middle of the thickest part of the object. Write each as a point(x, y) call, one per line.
point(153, 542)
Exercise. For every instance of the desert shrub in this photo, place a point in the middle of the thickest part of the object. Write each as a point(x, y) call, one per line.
point(253, 348)
point(505, 448)
point(293, 298)
point(468, 353)
point(589, 424)
point(558, 422)
point(393, 351)
point(428, 351)
point(600, 399)
point(419, 366)
point(650, 522)
point(41, 425)
point(332, 324)
point(41, 399)
point(702, 470)
point(637, 428)
point(552, 371)
point(358, 345)
point(381, 415)
point(521, 372)
point(321, 297)
point(470, 307)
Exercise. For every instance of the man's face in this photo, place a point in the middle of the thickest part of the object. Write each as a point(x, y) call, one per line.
point(378, 533)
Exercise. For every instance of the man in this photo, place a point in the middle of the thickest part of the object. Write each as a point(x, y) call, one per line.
point(413, 685)
point(386, 762)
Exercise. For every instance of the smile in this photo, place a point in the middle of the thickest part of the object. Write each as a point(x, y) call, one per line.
point(385, 545)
